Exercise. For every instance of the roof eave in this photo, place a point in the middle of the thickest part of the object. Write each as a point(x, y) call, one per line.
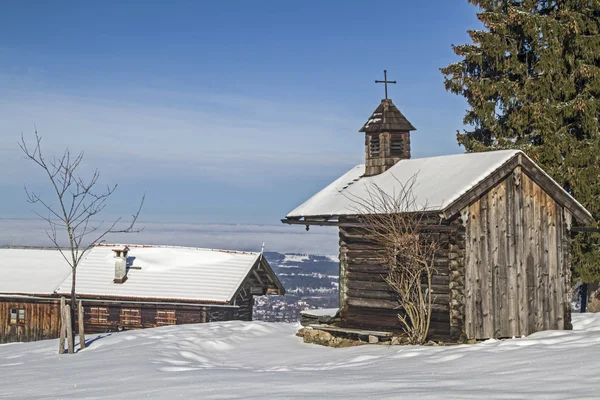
point(534, 172)
point(125, 298)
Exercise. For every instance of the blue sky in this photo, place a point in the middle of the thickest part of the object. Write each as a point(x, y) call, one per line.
point(223, 112)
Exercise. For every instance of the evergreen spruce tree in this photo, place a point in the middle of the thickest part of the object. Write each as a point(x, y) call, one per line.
point(531, 78)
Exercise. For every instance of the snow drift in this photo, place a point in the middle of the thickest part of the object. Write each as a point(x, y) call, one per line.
point(255, 360)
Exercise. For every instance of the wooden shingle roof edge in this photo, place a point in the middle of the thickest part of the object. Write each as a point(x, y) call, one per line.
point(533, 171)
point(387, 117)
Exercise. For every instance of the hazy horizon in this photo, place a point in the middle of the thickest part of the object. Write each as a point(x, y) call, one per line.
point(277, 238)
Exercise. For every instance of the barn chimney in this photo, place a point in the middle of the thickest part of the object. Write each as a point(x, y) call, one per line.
point(120, 256)
point(387, 138)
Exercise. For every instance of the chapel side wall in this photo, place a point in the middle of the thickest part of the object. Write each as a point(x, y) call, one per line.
point(456, 280)
point(366, 300)
point(516, 265)
point(42, 320)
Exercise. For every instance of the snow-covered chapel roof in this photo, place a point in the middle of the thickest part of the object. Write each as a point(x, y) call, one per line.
point(439, 183)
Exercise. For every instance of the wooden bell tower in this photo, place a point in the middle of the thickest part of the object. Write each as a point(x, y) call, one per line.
point(387, 136)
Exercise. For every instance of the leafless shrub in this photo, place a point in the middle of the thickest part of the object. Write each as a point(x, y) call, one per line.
point(397, 226)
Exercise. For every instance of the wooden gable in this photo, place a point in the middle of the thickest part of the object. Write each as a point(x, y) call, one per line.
point(536, 174)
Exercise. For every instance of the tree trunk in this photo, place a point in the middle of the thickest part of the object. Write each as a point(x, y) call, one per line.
point(63, 322)
point(80, 325)
point(70, 324)
point(73, 307)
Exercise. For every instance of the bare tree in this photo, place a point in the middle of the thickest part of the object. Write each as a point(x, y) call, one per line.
point(74, 211)
point(398, 228)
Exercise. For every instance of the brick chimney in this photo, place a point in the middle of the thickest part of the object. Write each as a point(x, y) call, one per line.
point(120, 256)
point(387, 138)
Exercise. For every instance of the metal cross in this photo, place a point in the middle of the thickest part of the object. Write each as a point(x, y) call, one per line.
point(385, 81)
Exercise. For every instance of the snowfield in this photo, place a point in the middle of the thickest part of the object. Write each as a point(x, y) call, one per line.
point(256, 360)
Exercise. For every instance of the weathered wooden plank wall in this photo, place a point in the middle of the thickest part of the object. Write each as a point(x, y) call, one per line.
point(42, 320)
point(516, 271)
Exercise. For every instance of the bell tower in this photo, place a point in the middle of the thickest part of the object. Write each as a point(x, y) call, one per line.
point(387, 136)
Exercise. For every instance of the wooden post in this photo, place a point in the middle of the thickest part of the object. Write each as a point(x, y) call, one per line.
point(584, 297)
point(61, 342)
point(81, 327)
point(69, 327)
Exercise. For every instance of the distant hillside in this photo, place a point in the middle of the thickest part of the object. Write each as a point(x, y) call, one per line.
point(311, 281)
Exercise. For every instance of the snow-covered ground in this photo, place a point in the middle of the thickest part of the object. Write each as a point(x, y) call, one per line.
point(254, 360)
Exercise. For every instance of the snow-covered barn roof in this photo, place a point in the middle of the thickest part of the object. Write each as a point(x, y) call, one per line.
point(154, 272)
point(31, 271)
point(440, 184)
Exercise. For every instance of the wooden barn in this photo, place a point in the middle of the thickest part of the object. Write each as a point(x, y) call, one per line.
point(129, 287)
point(503, 225)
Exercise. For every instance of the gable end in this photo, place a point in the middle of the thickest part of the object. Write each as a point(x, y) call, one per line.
point(532, 171)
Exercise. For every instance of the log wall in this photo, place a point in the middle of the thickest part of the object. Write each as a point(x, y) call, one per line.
point(42, 320)
point(367, 302)
point(517, 268)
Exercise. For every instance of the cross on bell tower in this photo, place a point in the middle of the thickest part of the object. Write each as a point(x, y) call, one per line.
point(385, 81)
point(387, 135)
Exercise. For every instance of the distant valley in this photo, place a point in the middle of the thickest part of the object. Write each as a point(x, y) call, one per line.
point(311, 281)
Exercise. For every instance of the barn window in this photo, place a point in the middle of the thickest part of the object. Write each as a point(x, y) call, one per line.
point(17, 316)
point(374, 146)
point(131, 317)
point(165, 317)
point(98, 315)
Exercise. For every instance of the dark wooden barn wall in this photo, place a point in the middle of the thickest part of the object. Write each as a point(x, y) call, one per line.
point(366, 300)
point(148, 313)
point(516, 261)
point(184, 314)
point(42, 317)
point(42, 320)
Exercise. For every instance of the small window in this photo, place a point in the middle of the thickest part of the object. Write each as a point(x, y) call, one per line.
point(131, 317)
point(99, 315)
point(165, 317)
point(374, 146)
point(17, 316)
